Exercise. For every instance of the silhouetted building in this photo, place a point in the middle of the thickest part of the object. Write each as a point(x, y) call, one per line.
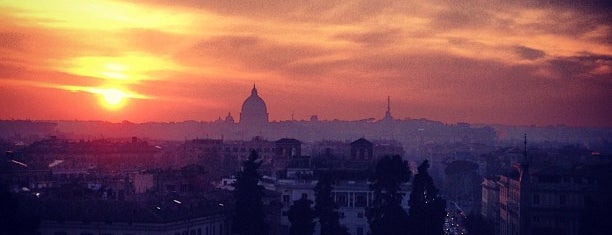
point(254, 111)
point(490, 202)
point(388, 117)
point(351, 193)
point(362, 149)
point(286, 151)
point(173, 216)
point(359, 154)
point(545, 199)
point(229, 119)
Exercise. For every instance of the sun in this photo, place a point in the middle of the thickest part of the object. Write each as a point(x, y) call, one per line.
point(112, 98)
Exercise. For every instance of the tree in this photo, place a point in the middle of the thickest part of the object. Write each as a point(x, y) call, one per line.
point(301, 216)
point(477, 225)
point(463, 181)
point(326, 209)
point(385, 214)
point(427, 209)
point(249, 213)
point(13, 218)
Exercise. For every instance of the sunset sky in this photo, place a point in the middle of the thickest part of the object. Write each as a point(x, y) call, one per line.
point(542, 63)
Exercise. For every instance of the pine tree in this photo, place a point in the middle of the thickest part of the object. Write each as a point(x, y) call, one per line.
point(326, 209)
point(427, 209)
point(301, 216)
point(249, 214)
point(385, 214)
point(13, 218)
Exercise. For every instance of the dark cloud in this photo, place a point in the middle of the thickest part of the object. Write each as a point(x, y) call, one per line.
point(373, 38)
point(472, 88)
point(466, 16)
point(255, 53)
point(583, 66)
point(571, 18)
point(528, 53)
point(603, 7)
point(465, 42)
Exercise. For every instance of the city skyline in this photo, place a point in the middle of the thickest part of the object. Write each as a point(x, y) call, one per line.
point(480, 62)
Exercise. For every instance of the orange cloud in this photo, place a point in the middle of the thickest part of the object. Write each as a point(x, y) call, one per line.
point(446, 60)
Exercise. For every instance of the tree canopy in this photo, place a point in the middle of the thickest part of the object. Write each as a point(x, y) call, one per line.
point(13, 220)
point(427, 209)
point(249, 213)
point(301, 215)
point(385, 214)
point(325, 207)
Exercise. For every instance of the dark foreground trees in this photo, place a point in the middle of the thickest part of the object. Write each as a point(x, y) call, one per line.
point(427, 209)
point(325, 207)
point(301, 215)
point(386, 215)
point(477, 225)
point(249, 213)
point(12, 217)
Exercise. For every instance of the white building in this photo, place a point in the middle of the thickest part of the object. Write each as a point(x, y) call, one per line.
point(352, 198)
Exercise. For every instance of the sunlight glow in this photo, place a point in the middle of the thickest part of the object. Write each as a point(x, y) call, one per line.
point(101, 15)
point(129, 68)
point(113, 98)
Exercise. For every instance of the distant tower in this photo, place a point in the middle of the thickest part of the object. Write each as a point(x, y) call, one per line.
point(388, 116)
point(229, 119)
point(523, 164)
point(525, 193)
point(254, 111)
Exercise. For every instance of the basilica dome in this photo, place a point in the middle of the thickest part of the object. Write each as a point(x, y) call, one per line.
point(254, 110)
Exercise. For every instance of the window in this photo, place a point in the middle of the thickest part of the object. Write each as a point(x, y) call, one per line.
point(359, 214)
point(536, 199)
point(361, 200)
point(359, 231)
point(562, 199)
point(341, 199)
point(286, 199)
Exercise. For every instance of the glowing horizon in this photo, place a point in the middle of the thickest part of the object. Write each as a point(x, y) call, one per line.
point(480, 62)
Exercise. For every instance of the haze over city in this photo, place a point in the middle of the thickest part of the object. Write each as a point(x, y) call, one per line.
point(539, 63)
point(293, 117)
